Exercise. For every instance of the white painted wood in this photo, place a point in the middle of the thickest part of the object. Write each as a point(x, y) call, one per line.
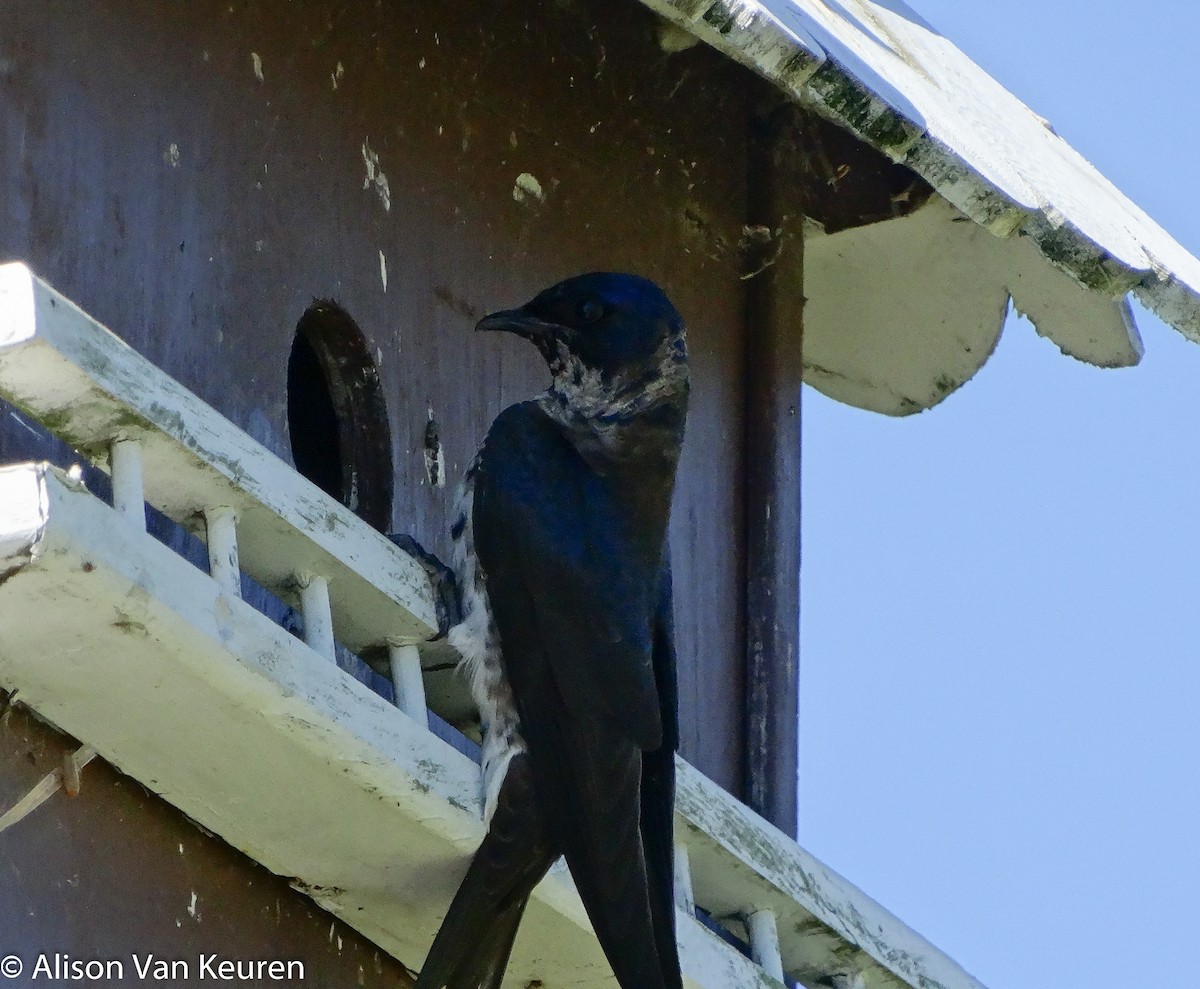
point(220, 527)
point(900, 314)
point(129, 499)
point(764, 942)
point(26, 510)
point(880, 70)
point(87, 386)
point(318, 619)
point(149, 661)
point(685, 899)
point(826, 924)
point(407, 686)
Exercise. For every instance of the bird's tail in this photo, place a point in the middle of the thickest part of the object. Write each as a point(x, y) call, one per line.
point(598, 774)
point(472, 947)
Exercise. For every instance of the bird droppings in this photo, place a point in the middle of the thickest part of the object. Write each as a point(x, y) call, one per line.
point(528, 187)
point(336, 75)
point(383, 270)
point(192, 911)
point(171, 155)
point(256, 62)
point(375, 176)
point(421, 64)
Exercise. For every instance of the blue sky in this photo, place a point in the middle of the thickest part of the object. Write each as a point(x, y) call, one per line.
point(999, 679)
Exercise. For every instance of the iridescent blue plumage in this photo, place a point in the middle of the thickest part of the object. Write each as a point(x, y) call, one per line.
point(568, 633)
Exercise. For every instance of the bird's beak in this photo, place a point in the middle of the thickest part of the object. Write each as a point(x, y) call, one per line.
point(517, 321)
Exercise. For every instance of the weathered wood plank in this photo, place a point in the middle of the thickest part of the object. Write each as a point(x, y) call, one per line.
point(208, 703)
point(176, 681)
point(771, 489)
point(91, 389)
point(740, 864)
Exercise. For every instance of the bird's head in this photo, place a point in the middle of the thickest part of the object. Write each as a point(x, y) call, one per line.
point(613, 342)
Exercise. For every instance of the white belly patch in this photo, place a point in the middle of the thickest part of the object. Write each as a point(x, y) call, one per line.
point(478, 642)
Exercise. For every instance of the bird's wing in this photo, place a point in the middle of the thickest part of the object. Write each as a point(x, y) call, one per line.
point(576, 626)
point(658, 788)
point(559, 553)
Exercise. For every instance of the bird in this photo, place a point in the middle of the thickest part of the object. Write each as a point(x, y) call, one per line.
point(567, 633)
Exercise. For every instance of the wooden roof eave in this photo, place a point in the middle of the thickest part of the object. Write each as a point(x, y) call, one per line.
point(879, 71)
point(902, 313)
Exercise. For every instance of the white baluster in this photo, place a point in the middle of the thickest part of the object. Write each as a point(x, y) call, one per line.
point(129, 499)
point(764, 942)
point(685, 898)
point(407, 685)
point(221, 526)
point(318, 619)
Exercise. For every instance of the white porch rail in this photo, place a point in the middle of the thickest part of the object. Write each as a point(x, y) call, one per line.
point(170, 676)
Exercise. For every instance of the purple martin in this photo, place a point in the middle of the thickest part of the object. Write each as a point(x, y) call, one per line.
point(560, 550)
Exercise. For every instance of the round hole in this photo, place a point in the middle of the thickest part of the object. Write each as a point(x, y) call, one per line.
point(336, 414)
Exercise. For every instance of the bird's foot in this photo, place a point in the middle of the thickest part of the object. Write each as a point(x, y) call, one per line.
point(446, 597)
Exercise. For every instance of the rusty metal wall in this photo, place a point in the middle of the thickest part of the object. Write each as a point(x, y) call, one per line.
point(116, 871)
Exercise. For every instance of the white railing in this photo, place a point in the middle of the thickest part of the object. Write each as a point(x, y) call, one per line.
point(396, 808)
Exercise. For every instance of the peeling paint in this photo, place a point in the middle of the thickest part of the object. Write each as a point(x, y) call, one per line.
point(171, 155)
point(336, 75)
point(434, 454)
point(256, 62)
point(376, 176)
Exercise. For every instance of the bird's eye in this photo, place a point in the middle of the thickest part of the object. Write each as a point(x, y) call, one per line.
point(590, 310)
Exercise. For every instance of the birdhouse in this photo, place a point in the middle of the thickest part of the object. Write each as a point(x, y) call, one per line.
point(244, 245)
